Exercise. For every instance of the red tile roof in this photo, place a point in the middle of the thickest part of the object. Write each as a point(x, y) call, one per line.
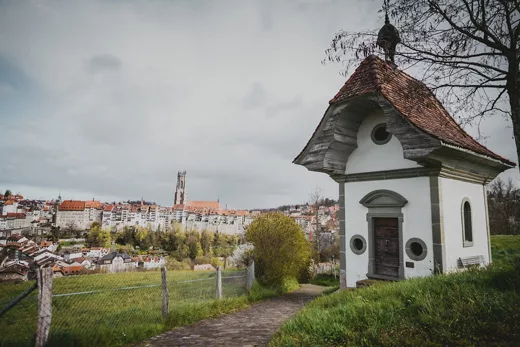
point(72, 205)
point(204, 204)
point(16, 215)
point(413, 99)
point(93, 204)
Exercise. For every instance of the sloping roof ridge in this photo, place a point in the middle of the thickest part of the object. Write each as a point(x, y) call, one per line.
point(449, 118)
point(367, 63)
point(375, 70)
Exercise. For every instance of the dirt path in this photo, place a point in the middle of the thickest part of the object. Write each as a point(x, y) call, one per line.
point(253, 326)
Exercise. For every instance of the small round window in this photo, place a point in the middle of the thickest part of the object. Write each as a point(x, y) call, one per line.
point(416, 249)
point(379, 134)
point(358, 244)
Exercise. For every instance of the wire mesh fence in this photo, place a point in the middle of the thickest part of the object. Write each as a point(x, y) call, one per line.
point(18, 325)
point(99, 309)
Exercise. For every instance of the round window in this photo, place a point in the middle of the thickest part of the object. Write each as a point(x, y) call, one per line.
point(416, 249)
point(379, 134)
point(358, 244)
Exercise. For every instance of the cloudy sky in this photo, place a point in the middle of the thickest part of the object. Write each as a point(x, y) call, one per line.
point(109, 99)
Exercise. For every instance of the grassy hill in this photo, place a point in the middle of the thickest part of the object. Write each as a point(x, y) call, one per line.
point(476, 307)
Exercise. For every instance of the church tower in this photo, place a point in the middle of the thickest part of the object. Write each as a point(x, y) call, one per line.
point(180, 190)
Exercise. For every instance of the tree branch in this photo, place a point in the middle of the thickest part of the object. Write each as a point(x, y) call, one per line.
point(489, 43)
point(508, 23)
point(450, 56)
point(479, 26)
point(455, 62)
point(470, 86)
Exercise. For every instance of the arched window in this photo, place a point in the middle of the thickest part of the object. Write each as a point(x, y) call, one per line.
point(467, 228)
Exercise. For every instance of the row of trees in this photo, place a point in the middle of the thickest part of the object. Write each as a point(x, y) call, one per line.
point(178, 243)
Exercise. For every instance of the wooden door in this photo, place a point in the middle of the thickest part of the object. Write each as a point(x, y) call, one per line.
point(386, 246)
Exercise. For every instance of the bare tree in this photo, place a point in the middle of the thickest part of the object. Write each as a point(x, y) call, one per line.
point(467, 52)
point(71, 228)
point(504, 207)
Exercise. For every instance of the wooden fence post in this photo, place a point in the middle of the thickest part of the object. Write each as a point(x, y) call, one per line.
point(250, 275)
point(219, 282)
point(164, 292)
point(44, 305)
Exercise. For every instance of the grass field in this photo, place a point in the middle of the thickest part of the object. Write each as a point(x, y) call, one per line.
point(120, 308)
point(504, 248)
point(476, 307)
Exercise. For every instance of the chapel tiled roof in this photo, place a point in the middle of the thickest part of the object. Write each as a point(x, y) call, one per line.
point(412, 99)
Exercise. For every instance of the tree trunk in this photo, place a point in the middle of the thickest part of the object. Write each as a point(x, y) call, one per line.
point(515, 117)
point(513, 91)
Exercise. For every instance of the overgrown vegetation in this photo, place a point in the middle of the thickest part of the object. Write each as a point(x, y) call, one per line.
point(113, 316)
point(281, 250)
point(475, 307)
point(326, 280)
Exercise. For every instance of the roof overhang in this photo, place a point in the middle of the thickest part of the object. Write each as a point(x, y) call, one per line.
point(335, 139)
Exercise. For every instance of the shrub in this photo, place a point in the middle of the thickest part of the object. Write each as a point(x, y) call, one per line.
point(281, 250)
point(174, 264)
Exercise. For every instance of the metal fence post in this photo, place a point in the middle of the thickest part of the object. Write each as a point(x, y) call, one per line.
point(219, 282)
point(250, 275)
point(164, 292)
point(44, 305)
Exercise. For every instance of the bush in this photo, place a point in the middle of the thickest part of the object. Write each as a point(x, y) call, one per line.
point(281, 250)
point(306, 273)
point(259, 292)
point(174, 264)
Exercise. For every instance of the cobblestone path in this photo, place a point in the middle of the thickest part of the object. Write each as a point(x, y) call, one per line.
point(253, 326)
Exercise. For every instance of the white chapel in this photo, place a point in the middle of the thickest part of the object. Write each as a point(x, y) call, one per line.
point(412, 182)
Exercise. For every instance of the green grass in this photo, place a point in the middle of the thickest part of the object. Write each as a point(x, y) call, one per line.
point(476, 307)
point(111, 317)
point(326, 280)
point(504, 248)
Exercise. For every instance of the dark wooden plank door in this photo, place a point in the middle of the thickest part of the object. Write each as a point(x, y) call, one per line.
point(386, 245)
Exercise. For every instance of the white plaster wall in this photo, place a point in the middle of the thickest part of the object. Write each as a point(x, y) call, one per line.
point(65, 217)
point(368, 156)
point(8, 209)
point(416, 223)
point(453, 192)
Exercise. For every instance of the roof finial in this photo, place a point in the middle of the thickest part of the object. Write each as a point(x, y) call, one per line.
point(388, 37)
point(385, 6)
